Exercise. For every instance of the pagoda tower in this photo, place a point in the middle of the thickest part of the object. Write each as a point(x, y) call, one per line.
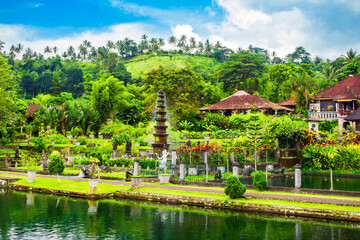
point(160, 128)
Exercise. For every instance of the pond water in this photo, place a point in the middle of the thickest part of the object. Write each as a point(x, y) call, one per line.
point(34, 216)
point(345, 183)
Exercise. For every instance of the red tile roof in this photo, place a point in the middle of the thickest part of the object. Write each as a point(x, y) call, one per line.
point(351, 82)
point(288, 102)
point(243, 100)
point(347, 94)
point(32, 108)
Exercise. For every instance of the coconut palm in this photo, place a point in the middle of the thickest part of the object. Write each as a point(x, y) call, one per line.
point(55, 49)
point(110, 45)
point(47, 49)
point(350, 56)
point(71, 51)
point(172, 40)
point(2, 45)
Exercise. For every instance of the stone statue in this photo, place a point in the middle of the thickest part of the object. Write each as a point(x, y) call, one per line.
point(7, 160)
point(114, 146)
point(163, 159)
point(128, 148)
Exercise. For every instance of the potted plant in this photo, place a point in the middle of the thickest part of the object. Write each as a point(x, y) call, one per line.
point(31, 166)
point(94, 173)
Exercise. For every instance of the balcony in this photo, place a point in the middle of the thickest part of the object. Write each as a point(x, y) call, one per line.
point(343, 112)
point(328, 115)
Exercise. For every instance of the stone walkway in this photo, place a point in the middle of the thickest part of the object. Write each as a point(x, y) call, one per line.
point(298, 198)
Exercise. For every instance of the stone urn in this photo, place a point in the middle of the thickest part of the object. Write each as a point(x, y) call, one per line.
point(31, 176)
point(93, 183)
point(164, 178)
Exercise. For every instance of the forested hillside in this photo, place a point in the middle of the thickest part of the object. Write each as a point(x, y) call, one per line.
point(86, 86)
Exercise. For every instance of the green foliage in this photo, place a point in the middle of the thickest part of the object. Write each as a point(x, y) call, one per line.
point(82, 140)
point(260, 181)
point(127, 162)
point(328, 125)
point(120, 138)
point(56, 165)
point(241, 70)
point(108, 97)
point(38, 143)
point(31, 163)
point(234, 188)
point(328, 156)
point(59, 139)
point(185, 91)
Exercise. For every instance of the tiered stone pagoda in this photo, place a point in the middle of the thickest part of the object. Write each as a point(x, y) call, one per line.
point(160, 128)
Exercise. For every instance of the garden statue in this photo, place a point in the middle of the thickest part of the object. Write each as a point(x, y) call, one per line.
point(7, 160)
point(188, 143)
point(128, 148)
point(278, 171)
point(218, 175)
point(16, 158)
point(163, 159)
point(114, 146)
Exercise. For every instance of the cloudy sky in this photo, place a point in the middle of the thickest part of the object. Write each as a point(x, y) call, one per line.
point(327, 28)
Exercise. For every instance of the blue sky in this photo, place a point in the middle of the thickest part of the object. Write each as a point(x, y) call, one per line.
point(327, 28)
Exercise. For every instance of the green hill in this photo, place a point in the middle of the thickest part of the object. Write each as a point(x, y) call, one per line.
point(204, 66)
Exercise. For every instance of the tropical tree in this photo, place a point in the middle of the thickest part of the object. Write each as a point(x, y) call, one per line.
point(240, 70)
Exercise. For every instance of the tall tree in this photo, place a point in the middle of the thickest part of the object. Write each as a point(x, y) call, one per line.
point(239, 68)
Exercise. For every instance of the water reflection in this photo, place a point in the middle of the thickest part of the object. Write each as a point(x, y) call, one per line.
point(33, 216)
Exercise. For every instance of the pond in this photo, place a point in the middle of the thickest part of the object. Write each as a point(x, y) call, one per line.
point(35, 216)
point(314, 181)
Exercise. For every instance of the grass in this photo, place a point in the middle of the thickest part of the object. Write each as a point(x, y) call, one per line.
point(83, 187)
point(201, 65)
point(69, 185)
point(113, 174)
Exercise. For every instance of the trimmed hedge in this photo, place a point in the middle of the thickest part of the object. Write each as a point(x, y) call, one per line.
point(234, 188)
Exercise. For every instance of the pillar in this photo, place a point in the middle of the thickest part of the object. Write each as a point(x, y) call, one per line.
point(236, 169)
point(297, 177)
point(182, 170)
point(136, 167)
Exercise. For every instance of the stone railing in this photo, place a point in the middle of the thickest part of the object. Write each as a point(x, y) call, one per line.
point(343, 112)
point(329, 115)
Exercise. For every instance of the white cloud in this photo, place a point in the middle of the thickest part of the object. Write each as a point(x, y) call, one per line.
point(187, 30)
point(239, 14)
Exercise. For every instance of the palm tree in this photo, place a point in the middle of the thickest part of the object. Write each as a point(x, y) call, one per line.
point(200, 48)
point(144, 37)
point(64, 55)
point(110, 45)
point(350, 56)
point(87, 44)
point(182, 41)
point(330, 76)
point(161, 42)
point(83, 51)
point(172, 40)
point(154, 45)
point(19, 48)
point(208, 47)
point(55, 49)
point(2, 45)
point(71, 51)
point(192, 43)
point(47, 49)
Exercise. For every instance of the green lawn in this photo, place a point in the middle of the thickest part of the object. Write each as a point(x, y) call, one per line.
point(200, 65)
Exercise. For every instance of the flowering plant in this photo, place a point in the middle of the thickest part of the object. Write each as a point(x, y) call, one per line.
point(94, 168)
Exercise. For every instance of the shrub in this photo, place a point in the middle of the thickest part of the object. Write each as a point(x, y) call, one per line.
point(82, 140)
point(144, 163)
point(234, 188)
point(260, 181)
point(120, 161)
point(56, 165)
point(120, 138)
point(59, 139)
point(39, 144)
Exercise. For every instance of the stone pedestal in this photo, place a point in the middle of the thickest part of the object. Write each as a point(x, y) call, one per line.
point(297, 177)
point(173, 157)
point(136, 167)
point(136, 182)
point(182, 171)
point(236, 169)
point(31, 176)
point(164, 178)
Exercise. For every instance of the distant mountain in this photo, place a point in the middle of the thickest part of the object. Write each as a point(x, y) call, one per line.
point(141, 65)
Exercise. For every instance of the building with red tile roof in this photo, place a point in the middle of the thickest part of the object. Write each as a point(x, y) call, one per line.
point(338, 101)
point(241, 101)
